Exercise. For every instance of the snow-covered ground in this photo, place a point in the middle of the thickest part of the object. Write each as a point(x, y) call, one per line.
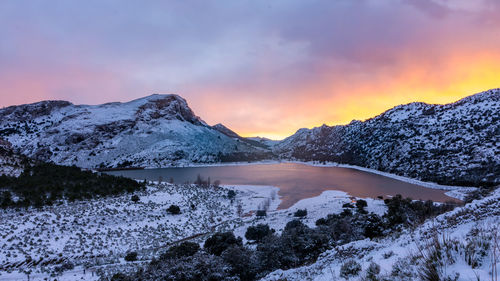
point(94, 235)
point(96, 232)
point(462, 234)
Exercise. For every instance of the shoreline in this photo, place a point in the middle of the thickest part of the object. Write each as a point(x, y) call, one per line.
point(456, 192)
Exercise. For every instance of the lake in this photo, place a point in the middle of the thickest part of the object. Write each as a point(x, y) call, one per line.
point(296, 181)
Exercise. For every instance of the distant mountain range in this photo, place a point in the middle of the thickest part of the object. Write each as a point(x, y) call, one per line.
point(456, 144)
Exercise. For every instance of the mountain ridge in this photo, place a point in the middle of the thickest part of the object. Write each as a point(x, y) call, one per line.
point(454, 144)
point(154, 131)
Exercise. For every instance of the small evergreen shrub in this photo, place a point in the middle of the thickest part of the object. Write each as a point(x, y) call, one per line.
point(185, 249)
point(300, 213)
point(349, 269)
point(220, 241)
point(174, 210)
point(258, 232)
point(261, 213)
point(231, 194)
point(131, 256)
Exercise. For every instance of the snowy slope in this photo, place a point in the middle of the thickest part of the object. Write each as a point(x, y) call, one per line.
point(468, 239)
point(11, 164)
point(454, 144)
point(155, 131)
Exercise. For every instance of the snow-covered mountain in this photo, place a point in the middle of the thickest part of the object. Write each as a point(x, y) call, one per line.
point(455, 144)
point(155, 131)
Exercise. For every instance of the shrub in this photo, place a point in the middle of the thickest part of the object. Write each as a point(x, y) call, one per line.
point(372, 272)
point(374, 226)
point(300, 213)
point(200, 266)
point(243, 262)
point(350, 268)
point(220, 241)
point(321, 221)
point(347, 205)
point(261, 213)
point(257, 232)
point(135, 198)
point(131, 256)
point(185, 249)
point(231, 194)
point(120, 277)
point(361, 204)
point(174, 210)
point(306, 243)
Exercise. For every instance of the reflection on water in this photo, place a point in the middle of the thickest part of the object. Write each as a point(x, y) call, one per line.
point(296, 181)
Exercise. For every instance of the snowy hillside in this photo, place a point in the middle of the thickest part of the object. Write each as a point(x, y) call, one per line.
point(460, 245)
point(454, 144)
point(11, 164)
point(155, 131)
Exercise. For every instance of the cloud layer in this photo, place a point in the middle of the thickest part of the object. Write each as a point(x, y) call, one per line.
point(260, 67)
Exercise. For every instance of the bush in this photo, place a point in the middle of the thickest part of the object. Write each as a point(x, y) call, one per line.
point(231, 194)
point(120, 277)
point(261, 213)
point(220, 241)
point(347, 205)
point(350, 268)
point(131, 256)
point(372, 272)
point(185, 249)
point(374, 226)
point(258, 232)
point(174, 210)
point(407, 211)
point(200, 266)
point(243, 262)
point(300, 213)
point(135, 198)
point(361, 204)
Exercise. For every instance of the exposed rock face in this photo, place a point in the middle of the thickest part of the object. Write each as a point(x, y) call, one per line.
point(456, 144)
point(155, 131)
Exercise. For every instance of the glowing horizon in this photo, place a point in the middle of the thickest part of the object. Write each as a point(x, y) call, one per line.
point(261, 68)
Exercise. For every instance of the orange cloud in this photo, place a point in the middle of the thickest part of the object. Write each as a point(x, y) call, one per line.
point(339, 99)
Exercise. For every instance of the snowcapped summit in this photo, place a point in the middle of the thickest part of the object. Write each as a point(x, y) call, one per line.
point(154, 131)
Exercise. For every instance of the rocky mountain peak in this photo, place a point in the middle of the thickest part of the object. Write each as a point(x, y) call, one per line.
point(168, 107)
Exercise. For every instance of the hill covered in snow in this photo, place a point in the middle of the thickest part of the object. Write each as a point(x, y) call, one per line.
point(453, 144)
point(155, 131)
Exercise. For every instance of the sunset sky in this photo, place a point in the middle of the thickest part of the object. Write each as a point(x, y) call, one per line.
point(261, 67)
